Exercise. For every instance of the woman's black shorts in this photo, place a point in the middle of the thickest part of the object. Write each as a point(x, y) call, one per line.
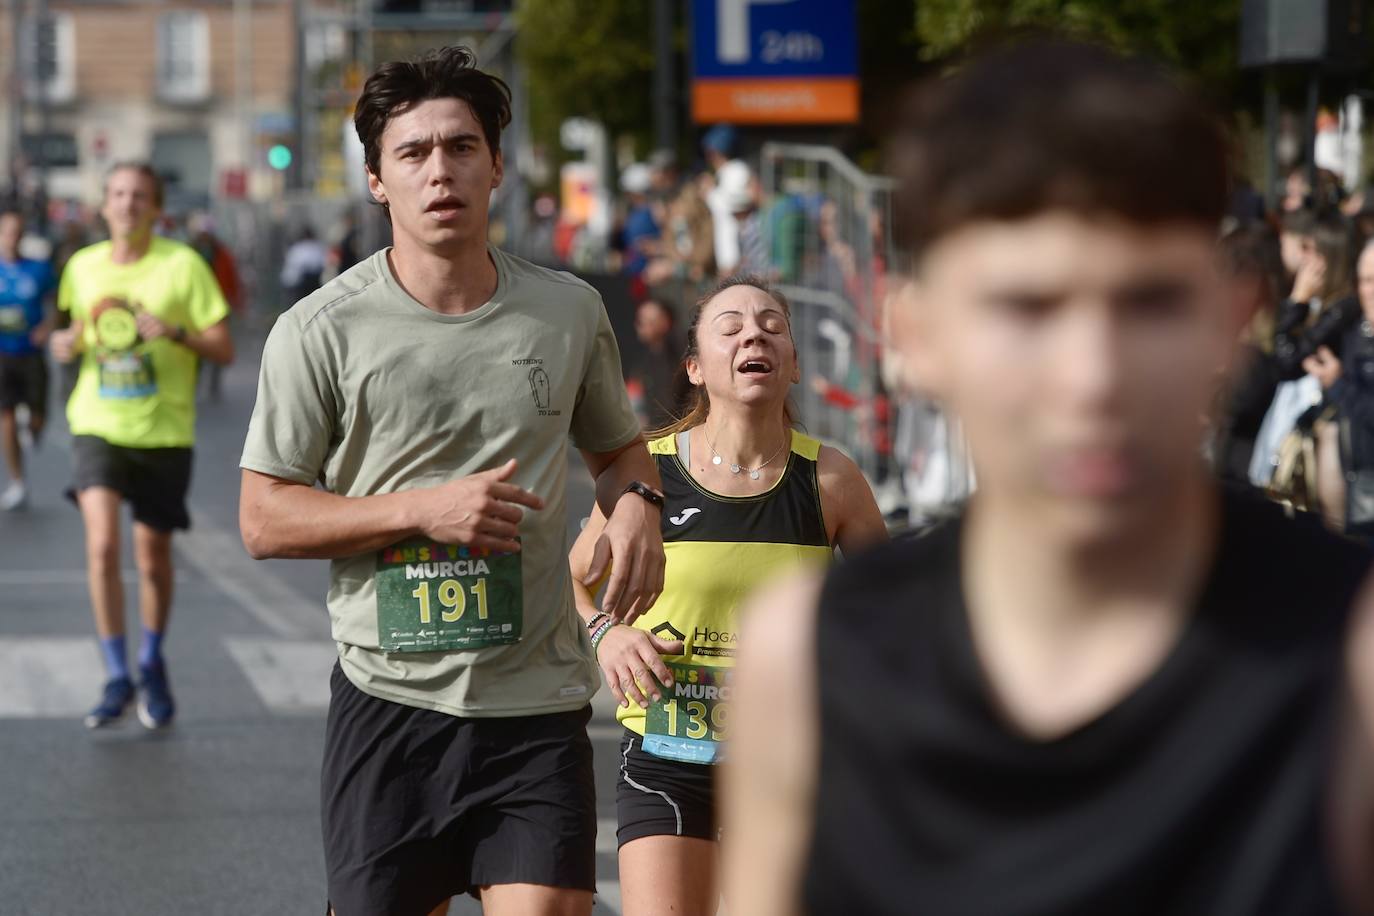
point(657, 797)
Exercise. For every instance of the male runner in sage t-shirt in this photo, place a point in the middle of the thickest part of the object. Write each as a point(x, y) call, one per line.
point(431, 391)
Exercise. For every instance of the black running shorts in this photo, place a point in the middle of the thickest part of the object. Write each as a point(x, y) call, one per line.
point(153, 480)
point(657, 797)
point(419, 806)
point(24, 380)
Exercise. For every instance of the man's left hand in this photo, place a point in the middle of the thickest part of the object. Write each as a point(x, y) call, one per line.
point(631, 545)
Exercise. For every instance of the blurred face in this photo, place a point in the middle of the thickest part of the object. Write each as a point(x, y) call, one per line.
point(1364, 279)
point(745, 353)
point(11, 230)
point(652, 323)
point(436, 175)
point(130, 207)
point(1295, 191)
point(1080, 355)
point(1294, 249)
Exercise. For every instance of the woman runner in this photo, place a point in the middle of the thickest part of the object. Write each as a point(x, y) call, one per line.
point(747, 497)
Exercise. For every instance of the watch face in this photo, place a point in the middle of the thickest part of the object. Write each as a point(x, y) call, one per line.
point(116, 328)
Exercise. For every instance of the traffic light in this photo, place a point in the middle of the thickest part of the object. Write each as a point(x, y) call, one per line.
point(279, 157)
point(45, 51)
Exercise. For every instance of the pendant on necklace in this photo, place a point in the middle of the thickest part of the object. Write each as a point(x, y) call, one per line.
point(715, 460)
point(754, 474)
point(734, 469)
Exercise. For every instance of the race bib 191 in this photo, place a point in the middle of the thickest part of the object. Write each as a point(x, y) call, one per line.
point(688, 724)
point(435, 597)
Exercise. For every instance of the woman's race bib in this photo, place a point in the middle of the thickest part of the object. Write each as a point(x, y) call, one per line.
point(688, 724)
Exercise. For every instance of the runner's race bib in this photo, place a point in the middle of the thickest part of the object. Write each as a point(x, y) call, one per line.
point(13, 320)
point(688, 724)
point(124, 372)
point(435, 597)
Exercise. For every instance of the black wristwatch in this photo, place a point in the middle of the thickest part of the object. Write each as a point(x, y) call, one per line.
point(650, 495)
point(179, 335)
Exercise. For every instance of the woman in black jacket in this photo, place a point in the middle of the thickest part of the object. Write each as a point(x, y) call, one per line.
point(1349, 385)
point(1321, 307)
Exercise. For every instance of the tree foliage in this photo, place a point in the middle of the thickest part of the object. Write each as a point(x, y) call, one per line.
point(1201, 38)
point(589, 58)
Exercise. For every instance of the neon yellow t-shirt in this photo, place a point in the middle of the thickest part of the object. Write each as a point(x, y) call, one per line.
point(133, 392)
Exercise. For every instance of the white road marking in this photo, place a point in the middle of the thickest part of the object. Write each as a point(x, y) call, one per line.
point(607, 898)
point(218, 555)
point(289, 677)
point(49, 676)
point(18, 577)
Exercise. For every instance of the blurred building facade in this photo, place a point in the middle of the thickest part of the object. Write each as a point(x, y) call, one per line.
point(201, 90)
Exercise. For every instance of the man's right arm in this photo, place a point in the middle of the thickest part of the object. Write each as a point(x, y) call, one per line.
point(282, 518)
point(286, 519)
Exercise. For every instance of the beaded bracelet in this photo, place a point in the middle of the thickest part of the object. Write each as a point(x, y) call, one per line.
point(601, 632)
point(596, 620)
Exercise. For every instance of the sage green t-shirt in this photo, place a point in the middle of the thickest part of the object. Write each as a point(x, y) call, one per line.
point(366, 391)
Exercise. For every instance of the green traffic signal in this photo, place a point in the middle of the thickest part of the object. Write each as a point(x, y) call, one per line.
point(279, 157)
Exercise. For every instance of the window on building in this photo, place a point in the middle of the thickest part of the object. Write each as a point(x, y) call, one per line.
point(183, 57)
point(47, 55)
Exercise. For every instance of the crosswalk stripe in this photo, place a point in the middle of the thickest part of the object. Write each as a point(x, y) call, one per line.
point(48, 676)
point(219, 556)
point(289, 677)
point(18, 577)
point(607, 898)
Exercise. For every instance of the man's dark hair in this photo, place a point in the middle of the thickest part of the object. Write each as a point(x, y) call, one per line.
point(1049, 124)
point(446, 73)
point(143, 168)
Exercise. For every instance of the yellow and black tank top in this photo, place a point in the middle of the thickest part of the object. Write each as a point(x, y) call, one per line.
point(719, 549)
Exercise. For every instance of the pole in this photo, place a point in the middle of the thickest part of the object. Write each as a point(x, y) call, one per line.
point(665, 108)
point(243, 80)
point(297, 173)
point(1309, 128)
point(16, 112)
point(1271, 138)
point(44, 87)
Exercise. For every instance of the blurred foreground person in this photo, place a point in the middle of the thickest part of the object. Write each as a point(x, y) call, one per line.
point(1107, 686)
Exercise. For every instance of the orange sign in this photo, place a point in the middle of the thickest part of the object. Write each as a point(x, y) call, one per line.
point(786, 100)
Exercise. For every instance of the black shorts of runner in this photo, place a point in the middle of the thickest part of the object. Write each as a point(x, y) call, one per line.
point(24, 380)
point(153, 480)
point(657, 797)
point(420, 806)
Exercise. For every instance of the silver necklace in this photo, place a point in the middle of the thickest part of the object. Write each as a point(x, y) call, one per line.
point(735, 468)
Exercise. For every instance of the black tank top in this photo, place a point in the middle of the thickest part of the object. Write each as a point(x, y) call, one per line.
point(1201, 792)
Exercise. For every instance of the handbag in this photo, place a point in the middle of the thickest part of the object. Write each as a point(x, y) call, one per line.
point(1295, 479)
point(1359, 484)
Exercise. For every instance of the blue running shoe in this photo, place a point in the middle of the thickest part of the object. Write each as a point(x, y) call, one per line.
point(118, 694)
point(155, 705)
